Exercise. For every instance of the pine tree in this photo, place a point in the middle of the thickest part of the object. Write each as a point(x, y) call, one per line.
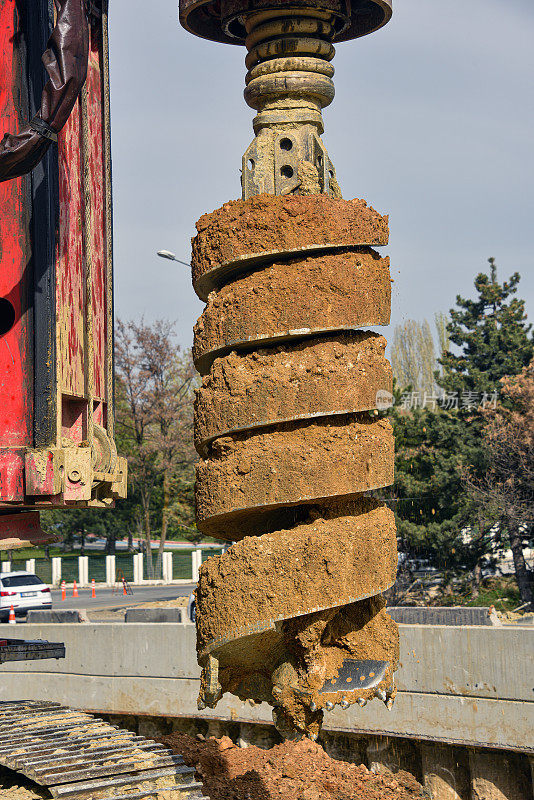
point(492, 335)
point(437, 447)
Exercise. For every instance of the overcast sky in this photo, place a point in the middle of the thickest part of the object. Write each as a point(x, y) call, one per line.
point(432, 123)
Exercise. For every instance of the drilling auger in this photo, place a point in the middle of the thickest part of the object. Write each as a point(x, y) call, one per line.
point(286, 418)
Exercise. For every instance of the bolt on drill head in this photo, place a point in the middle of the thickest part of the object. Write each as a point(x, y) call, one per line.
point(289, 80)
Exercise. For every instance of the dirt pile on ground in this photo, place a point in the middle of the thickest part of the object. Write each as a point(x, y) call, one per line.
point(290, 771)
point(176, 602)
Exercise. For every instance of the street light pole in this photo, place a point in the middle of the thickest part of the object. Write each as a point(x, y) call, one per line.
point(171, 257)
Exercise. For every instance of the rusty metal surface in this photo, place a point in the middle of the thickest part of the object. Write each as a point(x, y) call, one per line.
point(23, 530)
point(28, 650)
point(16, 407)
point(76, 756)
point(56, 360)
point(204, 17)
point(65, 61)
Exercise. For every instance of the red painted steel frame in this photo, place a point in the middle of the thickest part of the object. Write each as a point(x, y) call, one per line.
point(16, 370)
point(56, 415)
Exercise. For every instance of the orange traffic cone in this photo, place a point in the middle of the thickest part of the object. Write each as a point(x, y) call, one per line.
point(63, 591)
point(12, 617)
point(93, 588)
point(75, 590)
point(124, 589)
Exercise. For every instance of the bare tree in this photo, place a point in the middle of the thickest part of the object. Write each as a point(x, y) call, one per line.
point(441, 321)
point(155, 417)
point(413, 356)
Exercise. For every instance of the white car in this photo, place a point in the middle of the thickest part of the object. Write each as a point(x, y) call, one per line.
point(23, 591)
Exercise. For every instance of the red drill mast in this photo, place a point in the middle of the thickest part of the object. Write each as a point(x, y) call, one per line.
point(56, 318)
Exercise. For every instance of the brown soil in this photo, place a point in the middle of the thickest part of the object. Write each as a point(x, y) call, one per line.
point(280, 613)
point(245, 230)
point(341, 455)
point(17, 787)
point(341, 554)
point(322, 293)
point(176, 602)
point(317, 376)
point(288, 665)
point(289, 771)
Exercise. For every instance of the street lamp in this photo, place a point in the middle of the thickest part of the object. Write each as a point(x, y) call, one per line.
point(172, 257)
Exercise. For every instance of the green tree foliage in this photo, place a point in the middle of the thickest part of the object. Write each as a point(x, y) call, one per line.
point(492, 335)
point(436, 446)
point(505, 492)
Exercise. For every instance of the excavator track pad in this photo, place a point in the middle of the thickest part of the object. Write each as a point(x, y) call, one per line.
point(76, 756)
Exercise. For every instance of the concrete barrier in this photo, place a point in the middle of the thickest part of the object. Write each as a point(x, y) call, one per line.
point(465, 686)
point(40, 617)
point(151, 615)
point(446, 615)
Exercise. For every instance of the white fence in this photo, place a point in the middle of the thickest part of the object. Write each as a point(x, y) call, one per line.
point(110, 570)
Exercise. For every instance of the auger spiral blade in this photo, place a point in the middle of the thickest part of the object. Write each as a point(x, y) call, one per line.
point(293, 447)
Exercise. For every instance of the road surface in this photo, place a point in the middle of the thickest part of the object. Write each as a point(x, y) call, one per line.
point(107, 599)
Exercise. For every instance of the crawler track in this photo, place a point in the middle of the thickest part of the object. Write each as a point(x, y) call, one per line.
point(75, 755)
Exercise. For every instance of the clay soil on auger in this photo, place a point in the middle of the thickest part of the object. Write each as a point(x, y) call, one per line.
point(289, 771)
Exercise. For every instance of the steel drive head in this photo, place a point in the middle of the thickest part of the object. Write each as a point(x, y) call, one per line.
point(222, 20)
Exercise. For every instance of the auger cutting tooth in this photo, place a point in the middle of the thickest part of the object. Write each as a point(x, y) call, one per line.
point(329, 705)
point(361, 701)
point(380, 693)
point(389, 704)
point(344, 704)
point(313, 707)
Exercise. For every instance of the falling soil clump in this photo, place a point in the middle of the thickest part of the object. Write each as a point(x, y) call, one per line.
point(292, 771)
